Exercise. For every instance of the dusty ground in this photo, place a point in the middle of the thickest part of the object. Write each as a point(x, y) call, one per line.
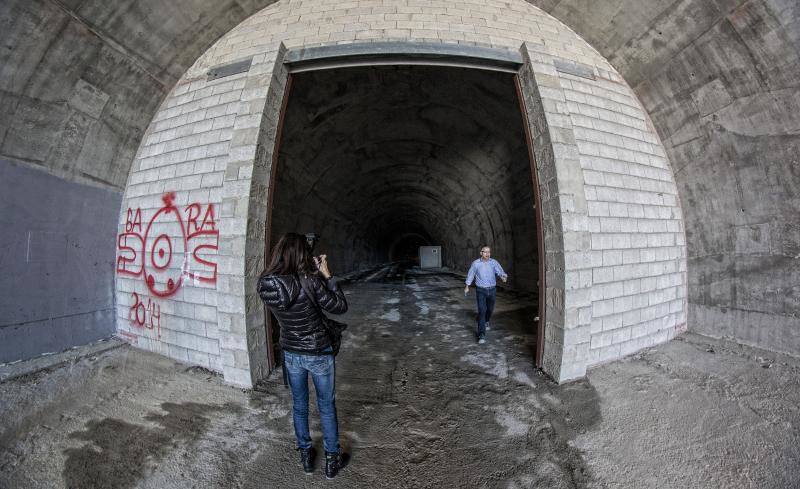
point(420, 405)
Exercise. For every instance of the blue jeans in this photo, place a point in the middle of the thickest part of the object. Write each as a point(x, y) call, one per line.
point(322, 369)
point(486, 298)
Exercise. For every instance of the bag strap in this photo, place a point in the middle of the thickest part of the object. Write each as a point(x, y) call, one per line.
point(309, 290)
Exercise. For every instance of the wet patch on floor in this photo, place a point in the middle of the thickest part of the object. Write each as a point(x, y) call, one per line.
point(119, 454)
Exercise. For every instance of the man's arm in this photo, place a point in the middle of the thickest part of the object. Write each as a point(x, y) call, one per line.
point(470, 277)
point(498, 270)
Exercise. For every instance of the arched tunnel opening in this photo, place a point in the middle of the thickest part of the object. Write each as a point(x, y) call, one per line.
point(381, 160)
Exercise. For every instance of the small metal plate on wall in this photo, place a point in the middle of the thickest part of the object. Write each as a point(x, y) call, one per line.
point(229, 69)
point(572, 68)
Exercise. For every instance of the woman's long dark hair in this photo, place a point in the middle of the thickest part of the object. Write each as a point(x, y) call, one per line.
point(291, 255)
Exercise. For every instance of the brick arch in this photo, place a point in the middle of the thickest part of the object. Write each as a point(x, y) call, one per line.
point(613, 238)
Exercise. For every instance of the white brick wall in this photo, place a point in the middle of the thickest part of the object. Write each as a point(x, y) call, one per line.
point(634, 219)
point(623, 282)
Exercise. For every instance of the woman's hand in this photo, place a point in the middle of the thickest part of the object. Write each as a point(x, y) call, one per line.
point(322, 265)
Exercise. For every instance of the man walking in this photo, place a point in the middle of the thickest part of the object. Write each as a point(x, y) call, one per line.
point(483, 271)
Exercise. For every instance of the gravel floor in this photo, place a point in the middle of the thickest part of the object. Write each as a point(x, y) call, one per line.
point(420, 405)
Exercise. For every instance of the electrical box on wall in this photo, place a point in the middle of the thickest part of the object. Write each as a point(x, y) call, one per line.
point(430, 256)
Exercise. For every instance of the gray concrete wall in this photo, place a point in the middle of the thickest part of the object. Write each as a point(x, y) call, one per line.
point(720, 82)
point(57, 262)
point(80, 80)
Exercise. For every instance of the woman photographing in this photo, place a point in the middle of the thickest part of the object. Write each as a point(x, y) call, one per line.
point(297, 287)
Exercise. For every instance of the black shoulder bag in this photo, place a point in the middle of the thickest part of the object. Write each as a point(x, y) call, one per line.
point(333, 327)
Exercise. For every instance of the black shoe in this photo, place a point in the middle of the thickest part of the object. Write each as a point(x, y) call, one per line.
point(334, 462)
point(307, 459)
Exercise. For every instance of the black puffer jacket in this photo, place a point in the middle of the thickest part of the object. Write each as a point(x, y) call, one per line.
point(302, 330)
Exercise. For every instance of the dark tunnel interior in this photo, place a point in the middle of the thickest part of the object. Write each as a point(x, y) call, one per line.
point(381, 160)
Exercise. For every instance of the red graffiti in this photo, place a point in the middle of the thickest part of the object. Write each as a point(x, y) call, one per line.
point(146, 316)
point(173, 245)
point(205, 238)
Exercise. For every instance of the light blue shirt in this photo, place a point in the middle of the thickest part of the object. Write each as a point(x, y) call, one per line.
point(483, 272)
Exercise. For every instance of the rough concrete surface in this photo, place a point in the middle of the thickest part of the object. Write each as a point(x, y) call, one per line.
point(57, 262)
point(719, 81)
point(420, 405)
point(80, 81)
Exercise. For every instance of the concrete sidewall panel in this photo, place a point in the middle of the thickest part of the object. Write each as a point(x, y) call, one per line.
point(614, 241)
point(58, 287)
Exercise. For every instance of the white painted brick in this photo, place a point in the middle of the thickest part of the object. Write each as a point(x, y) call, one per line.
point(232, 341)
point(178, 353)
point(623, 304)
point(621, 241)
point(596, 326)
point(572, 280)
point(205, 313)
point(612, 257)
point(212, 179)
point(639, 240)
point(632, 287)
point(631, 256)
point(628, 226)
point(611, 322)
point(208, 345)
point(621, 335)
point(236, 376)
point(601, 340)
point(602, 241)
point(610, 225)
point(199, 358)
point(586, 278)
point(602, 308)
point(617, 209)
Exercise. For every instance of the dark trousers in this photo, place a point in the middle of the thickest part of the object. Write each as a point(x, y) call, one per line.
point(486, 298)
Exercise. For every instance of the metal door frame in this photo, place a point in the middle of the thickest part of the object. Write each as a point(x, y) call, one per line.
point(410, 53)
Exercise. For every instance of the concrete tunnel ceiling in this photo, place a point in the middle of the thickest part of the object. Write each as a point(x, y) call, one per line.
point(370, 155)
point(80, 81)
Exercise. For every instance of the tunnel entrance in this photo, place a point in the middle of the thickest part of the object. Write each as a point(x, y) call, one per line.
point(380, 160)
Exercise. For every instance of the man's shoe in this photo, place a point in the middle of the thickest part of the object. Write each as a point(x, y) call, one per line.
point(307, 459)
point(481, 340)
point(334, 462)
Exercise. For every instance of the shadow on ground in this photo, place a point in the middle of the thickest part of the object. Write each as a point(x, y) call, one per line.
point(119, 454)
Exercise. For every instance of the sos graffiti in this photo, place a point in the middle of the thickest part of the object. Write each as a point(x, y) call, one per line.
point(176, 245)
